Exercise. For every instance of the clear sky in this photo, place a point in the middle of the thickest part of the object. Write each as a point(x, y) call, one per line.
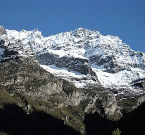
point(124, 18)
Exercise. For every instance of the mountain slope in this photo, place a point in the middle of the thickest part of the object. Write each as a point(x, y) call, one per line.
point(69, 76)
point(85, 58)
point(28, 86)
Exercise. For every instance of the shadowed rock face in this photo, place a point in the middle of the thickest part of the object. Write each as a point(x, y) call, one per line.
point(143, 84)
point(15, 121)
point(7, 54)
point(140, 83)
point(131, 124)
point(74, 64)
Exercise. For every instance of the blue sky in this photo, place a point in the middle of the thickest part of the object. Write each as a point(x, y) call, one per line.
point(124, 18)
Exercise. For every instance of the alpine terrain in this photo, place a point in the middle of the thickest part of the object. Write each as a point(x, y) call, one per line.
point(77, 82)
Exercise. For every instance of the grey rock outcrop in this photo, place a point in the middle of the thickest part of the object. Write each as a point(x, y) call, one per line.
point(23, 75)
point(143, 83)
point(2, 30)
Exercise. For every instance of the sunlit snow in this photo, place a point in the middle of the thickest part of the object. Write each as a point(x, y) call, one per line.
point(82, 44)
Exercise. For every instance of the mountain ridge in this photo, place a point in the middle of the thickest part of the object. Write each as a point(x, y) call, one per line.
point(84, 57)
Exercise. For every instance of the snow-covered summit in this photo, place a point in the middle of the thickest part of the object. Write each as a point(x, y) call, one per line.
point(82, 56)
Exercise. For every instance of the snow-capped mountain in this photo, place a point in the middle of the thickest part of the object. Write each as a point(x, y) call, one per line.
point(84, 57)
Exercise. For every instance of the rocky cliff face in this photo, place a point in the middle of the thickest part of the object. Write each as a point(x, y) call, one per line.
point(85, 58)
point(33, 88)
point(70, 74)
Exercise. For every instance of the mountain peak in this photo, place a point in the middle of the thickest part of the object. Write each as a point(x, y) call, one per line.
point(82, 56)
point(82, 29)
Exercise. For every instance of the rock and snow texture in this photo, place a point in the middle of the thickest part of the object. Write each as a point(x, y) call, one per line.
point(1, 49)
point(84, 57)
point(1, 53)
